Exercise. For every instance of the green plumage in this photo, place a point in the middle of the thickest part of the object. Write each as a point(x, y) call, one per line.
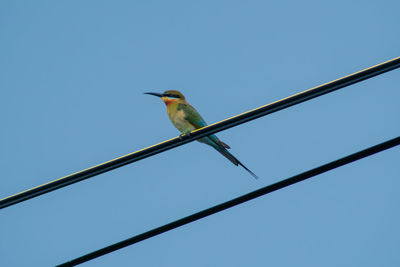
point(186, 119)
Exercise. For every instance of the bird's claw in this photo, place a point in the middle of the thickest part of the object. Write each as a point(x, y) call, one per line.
point(184, 135)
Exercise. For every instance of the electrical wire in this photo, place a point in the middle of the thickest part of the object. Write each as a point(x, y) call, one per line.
point(205, 131)
point(236, 201)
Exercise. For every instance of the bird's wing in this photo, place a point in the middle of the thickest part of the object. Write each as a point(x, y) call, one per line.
point(194, 118)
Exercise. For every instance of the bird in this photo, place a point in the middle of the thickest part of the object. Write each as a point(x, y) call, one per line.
point(186, 119)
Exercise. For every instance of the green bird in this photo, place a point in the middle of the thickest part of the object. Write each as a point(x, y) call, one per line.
point(186, 119)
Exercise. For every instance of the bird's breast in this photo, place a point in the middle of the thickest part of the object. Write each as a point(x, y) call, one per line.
point(178, 119)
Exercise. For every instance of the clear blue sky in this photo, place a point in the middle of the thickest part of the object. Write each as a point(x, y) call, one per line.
point(72, 78)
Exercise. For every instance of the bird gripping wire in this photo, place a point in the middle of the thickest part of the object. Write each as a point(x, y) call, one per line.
point(205, 131)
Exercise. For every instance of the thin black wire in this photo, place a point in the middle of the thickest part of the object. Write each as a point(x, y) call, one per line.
point(239, 200)
point(213, 128)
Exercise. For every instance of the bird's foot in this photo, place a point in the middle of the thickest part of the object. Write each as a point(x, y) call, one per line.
point(185, 135)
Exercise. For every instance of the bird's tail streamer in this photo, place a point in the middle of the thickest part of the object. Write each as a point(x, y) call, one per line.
point(234, 160)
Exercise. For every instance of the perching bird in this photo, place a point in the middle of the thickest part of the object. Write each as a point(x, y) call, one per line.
point(186, 119)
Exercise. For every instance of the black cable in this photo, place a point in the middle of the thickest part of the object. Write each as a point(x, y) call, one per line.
point(239, 200)
point(213, 128)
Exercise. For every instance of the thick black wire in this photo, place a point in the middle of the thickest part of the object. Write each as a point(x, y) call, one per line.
point(213, 128)
point(239, 200)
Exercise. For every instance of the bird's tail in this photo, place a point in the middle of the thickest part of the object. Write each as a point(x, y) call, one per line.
point(233, 159)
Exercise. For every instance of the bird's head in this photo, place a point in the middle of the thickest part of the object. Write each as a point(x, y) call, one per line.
point(169, 96)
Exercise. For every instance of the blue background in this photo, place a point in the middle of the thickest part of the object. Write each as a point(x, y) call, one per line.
point(72, 78)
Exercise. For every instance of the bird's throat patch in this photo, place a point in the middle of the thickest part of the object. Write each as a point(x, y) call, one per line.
point(168, 100)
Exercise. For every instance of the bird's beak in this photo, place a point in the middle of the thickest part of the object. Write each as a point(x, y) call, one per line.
point(155, 94)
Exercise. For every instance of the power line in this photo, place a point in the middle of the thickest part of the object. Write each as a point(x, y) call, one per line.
point(213, 128)
point(236, 201)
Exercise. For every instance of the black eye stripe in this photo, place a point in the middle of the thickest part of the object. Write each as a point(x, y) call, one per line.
point(172, 95)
